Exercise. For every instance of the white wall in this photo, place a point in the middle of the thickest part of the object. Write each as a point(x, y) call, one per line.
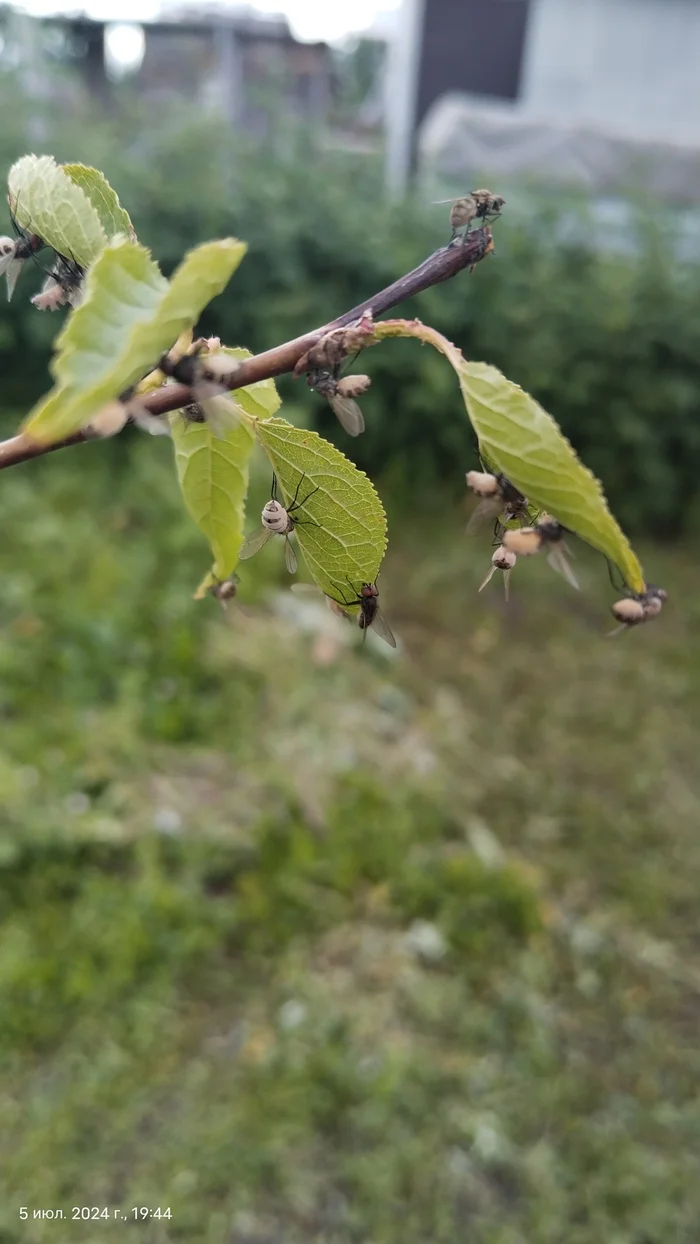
point(628, 66)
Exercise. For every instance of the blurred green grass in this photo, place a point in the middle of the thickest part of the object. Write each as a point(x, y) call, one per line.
point(314, 945)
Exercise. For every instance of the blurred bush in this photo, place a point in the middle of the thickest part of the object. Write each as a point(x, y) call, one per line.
point(609, 343)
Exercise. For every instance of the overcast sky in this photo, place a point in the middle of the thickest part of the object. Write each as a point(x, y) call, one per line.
point(309, 19)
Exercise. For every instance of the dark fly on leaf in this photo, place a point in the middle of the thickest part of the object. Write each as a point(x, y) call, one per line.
point(370, 614)
point(278, 521)
point(367, 598)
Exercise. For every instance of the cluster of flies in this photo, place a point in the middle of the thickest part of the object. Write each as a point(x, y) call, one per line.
point(210, 376)
point(520, 532)
point(321, 363)
point(280, 520)
point(63, 284)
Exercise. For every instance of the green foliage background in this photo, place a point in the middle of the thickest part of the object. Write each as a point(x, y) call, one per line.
point(309, 944)
point(608, 342)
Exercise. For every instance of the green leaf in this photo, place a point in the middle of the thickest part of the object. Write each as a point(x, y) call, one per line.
point(349, 540)
point(46, 201)
point(213, 475)
point(129, 316)
point(113, 218)
point(518, 438)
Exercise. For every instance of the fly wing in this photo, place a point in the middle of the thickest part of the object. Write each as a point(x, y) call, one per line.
point(108, 421)
point(222, 414)
point(219, 366)
point(485, 513)
point(12, 271)
point(381, 627)
point(306, 589)
point(348, 414)
point(8, 251)
point(254, 542)
point(290, 557)
point(560, 562)
point(310, 589)
point(489, 576)
point(156, 425)
point(336, 608)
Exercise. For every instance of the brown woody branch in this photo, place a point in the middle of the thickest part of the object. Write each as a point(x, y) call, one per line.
point(438, 267)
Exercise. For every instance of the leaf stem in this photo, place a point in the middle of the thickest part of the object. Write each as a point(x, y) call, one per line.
point(442, 265)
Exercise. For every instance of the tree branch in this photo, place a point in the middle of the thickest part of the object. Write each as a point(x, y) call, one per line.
point(442, 265)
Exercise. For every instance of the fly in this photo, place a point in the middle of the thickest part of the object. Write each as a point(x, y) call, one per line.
point(278, 521)
point(370, 614)
point(480, 205)
point(546, 533)
point(63, 285)
point(341, 397)
point(504, 560)
point(638, 607)
point(208, 377)
point(14, 252)
point(499, 498)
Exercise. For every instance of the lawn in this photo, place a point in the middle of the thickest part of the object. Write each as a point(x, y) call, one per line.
point(315, 944)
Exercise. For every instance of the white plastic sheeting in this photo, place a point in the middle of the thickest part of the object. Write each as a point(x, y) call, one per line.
point(462, 138)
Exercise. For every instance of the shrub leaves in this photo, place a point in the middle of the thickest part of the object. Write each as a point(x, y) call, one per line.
point(113, 217)
point(519, 438)
point(130, 315)
point(213, 474)
point(48, 202)
point(349, 540)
